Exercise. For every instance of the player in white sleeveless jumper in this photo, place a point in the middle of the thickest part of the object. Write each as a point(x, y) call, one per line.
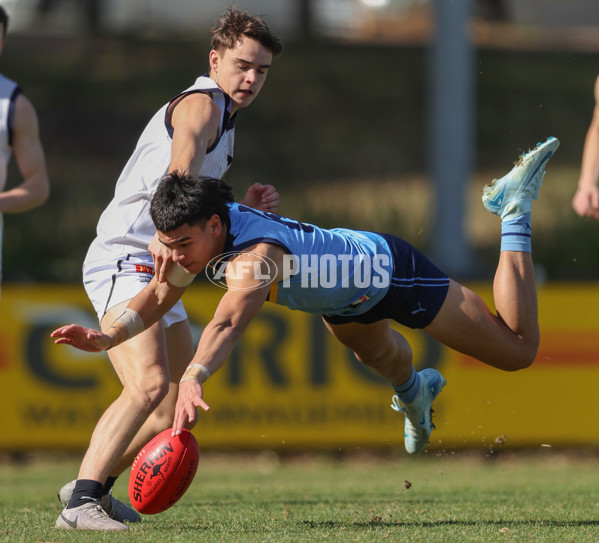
point(193, 133)
point(19, 133)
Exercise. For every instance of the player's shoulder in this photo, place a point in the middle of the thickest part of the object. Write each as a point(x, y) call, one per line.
point(24, 110)
point(195, 105)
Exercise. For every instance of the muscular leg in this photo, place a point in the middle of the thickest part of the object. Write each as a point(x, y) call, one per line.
point(141, 365)
point(146, 404)
point(386, 351)
point(379, 346)
point(179, 346)
point(508, 340)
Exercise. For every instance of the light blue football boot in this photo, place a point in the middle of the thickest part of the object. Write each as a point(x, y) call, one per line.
point(418, 424)
point(512, 195)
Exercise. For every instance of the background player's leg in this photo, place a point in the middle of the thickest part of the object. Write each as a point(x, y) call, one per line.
point(179, 347)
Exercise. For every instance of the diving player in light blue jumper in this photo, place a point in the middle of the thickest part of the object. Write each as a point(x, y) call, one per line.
point(357, 280)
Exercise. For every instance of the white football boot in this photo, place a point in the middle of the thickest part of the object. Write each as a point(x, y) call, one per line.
point(89, 516)
point(115, 509)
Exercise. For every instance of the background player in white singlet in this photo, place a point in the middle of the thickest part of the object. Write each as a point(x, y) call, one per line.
point(586, 199)
point(193, 133)
point(19, 134)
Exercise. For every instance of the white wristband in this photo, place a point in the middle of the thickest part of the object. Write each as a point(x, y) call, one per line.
point(202, 368)
point(132, 321)
point(178, 277)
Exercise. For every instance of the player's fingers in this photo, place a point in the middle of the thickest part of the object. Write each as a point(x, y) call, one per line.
point(64, 331)
point(177, 422)
point(267, 190)
point(271, 199)
point(201, 403)
point(190, 413)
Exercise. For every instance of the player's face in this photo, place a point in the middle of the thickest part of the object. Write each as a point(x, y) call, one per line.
point(194, 246)
point(241, 71)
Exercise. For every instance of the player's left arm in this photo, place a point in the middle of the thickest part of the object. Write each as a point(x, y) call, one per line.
point(31, 161)
point(247, 292)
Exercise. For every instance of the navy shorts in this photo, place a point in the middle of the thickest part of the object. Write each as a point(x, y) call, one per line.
point(417, 292)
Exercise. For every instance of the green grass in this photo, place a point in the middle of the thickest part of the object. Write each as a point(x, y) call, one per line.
point(547, 497)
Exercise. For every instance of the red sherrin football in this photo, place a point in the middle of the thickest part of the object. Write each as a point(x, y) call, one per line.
point(163, 471)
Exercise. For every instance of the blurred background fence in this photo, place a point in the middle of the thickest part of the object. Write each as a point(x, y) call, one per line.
point(343, 128)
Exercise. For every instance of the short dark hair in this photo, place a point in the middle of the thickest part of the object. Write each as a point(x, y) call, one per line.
point(234, 24)
point(4, 20)
point(185, 199)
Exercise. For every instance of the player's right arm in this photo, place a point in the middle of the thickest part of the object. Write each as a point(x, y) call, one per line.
point(195, 120)
point(586, 199)
point(145, 309)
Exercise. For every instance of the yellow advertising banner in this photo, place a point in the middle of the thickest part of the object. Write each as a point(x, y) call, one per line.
point(289, 384)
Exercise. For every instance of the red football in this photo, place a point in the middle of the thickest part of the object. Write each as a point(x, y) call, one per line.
point(163, 471)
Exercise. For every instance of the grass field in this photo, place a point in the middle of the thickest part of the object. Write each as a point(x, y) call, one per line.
point(542, 497)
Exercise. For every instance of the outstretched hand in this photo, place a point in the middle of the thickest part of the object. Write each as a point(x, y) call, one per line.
point(190, 397)
point(262, 197)
point(82, 338)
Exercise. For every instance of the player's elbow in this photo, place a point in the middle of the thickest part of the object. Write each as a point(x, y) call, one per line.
point(44, 193)
point(39, 191)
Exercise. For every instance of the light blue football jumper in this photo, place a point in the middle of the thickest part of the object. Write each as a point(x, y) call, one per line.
point(347, 276)
point(335, 271)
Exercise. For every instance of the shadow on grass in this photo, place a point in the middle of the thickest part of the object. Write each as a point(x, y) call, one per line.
point(502, 523)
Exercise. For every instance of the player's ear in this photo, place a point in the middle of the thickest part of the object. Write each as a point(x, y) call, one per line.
point(214, 59)
point(215, 225)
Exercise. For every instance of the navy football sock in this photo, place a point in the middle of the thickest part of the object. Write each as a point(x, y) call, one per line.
point(85, 491)
point(109, 484)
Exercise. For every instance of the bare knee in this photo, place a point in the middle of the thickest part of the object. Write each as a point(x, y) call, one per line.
point(526, 359)
point(148, 394)
point(519, 361)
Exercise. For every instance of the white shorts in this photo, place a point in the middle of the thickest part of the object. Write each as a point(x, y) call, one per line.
point(111, 282)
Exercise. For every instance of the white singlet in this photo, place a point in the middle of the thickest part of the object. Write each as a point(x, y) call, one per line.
point(9, 91)
point(118, 264)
